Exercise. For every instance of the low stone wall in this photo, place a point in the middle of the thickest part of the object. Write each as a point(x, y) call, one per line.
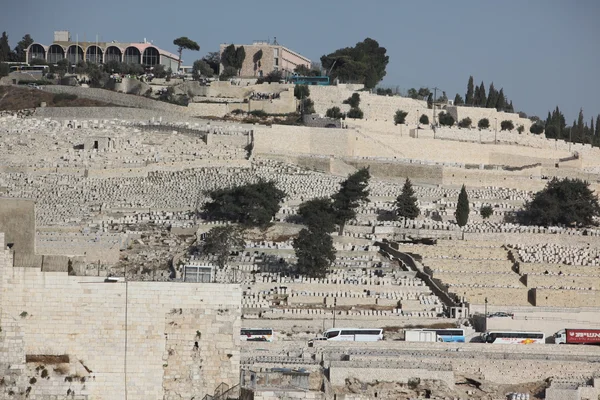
point(589, 282)
point(566, 298)
point(495, 295)
point(555, 269)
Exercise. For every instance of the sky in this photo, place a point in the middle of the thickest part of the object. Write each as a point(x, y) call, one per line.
point(543, 53)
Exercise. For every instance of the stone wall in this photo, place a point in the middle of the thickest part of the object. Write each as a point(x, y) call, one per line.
point(17, 220)
point(566, 298)
point(169, 339)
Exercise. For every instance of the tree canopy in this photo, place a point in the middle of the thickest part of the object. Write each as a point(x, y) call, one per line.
point(406, 202)
point(5, 53)
point(318, 214)
point(201, 68)
point(364, 63)
point(315, 253)
point(568, 202)
point(221, 241)
point(184, 43)
point(462, 207)
point(400, 117)
point(252, 205)
point(213, 59)
point(233, 57)
point(353, 192)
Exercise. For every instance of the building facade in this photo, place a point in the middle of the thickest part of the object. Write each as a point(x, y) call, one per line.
point(264, 57)
point(144, 53)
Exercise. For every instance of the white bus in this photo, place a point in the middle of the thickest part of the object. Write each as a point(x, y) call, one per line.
point(353, 334)
point(257, 335)
point(514, 337)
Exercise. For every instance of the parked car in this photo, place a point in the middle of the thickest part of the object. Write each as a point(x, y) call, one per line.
point(501, 314)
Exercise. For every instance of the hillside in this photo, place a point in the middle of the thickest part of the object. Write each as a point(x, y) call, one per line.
point(18, 98)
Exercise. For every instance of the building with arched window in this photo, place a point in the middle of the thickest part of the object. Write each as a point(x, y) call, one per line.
point(144, 53)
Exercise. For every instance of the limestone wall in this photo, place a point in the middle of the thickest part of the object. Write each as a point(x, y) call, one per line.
point(495, 295)
point(535, 280)
point(171, 339)
point(566, 298)
point(17, 220)
point(541, 268)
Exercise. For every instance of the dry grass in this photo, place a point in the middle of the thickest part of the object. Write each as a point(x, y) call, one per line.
point(19, 98)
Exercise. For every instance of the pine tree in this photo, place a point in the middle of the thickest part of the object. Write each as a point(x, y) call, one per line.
point(482, 97)
point(458, 100)
point(352, 193)
point(470, 93)
point(500, 101)
point(4, 48)
point(492, 97)
point(406, 202)
point(462, 208)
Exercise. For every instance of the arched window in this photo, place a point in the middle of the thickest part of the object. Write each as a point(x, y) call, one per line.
point(55, 53)
point(93, 54)
point(151, 56)
point(132, 55)
point(113, 53)
point(36, 51)
point(74, 54)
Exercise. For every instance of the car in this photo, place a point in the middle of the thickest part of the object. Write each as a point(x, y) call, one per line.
point(34, 86)
point(501, 314)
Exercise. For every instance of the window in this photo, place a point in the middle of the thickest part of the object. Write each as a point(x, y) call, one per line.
point(333, 334)
point(276, 61)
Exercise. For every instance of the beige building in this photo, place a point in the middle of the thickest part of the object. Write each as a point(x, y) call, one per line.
point(274, 58)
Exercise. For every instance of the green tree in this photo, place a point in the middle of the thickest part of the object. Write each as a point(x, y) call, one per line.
point(462, 207)
point(315, 253)
point(486, 211)
point(228, 58)
point(213, 59)
point(492, 97)
point(256, 60)
point(98, 78)
point(446, 119)
point(21, 47)
point(318, 215)
point(228, 73)
point(458, 100)
point(520, 129)
point(62, 66)
point(406, 202)
point(469, 96)
point(307, 106)
point(465, 123)
point(355, 113)
point(412, 93)
point(423, 93)
point(240, 56)
point(501, 102)
point(272, 77)
point(483, 123)
point(430, 100)
point(201, 68)
point(4, 69)
point(183, 43)
point(221, 241)
point(482, 98)
point(568, 202)
point(364, 63)
point(301, 92)
point(536, 128)
point(400, 117)
point(507, 125)
point(352, 193)
point(4, 48)
point(334, 112)
point(252, 205)
point(424, 119)
point(353, 100)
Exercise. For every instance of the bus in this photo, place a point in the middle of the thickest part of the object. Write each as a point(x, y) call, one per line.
point(30, 69)
point(513, 337)
point(257, 335)
point(449, 335)
point(353, 334)
point(309, 80)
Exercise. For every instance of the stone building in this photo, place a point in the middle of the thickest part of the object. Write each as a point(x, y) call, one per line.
point(275, 57)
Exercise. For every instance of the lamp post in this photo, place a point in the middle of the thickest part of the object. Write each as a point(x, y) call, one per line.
point(486, 315)
point(334, 304)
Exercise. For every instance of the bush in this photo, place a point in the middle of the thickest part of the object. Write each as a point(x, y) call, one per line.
point(483, 123)
point(465, 123)
point(237, 111)
point(355, 113)
point(58, 97)
point(334, 112)
point(520, 129)
point(486, 211)
point(258, 113)
point(400, 117)
point(301, 92)
point(228, 73)
point(507, 125)
point(446, 119)
point(536, 129)
point(353, 100)
point(272, 77)
point(4, 69)
point(308, 106)
point(424, 119)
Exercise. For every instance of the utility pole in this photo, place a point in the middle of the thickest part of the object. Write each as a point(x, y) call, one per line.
point(334, 304)
point(486, 301)
point(435, 89)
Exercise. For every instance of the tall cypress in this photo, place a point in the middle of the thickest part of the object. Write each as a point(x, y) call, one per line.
point(470, 93)
point(476, 96)
point(482, 97)
point(462, 207)
point(4, 48)
point(492, 97)
point(597, 131)
point(500, 101)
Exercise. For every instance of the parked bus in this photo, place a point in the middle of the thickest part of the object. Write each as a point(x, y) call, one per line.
point(30, 69)
point(309, 80)
point(449, 335)
point(514, 337)
point(257, 335)
point(353, 334)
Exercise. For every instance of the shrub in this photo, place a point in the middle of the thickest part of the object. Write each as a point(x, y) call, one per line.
point(353, 100)
point(355, 113)
point(465, 123)
point(308, 106)
point(520, 129)
point(507, 125)
point(237, 111)
point(301, 91)
point(258, 113)
point(400, 117)
point(486, 211)
point(483, 123)
point(334, 112)
point(228, 73)
point(536, 129)
point(424, 119)
point(446, 119)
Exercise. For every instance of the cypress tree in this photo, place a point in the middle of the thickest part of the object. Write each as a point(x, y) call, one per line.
point(482, 97)
point(500, 101)
point(476, 97)
point(492, 97)
point(458, 100)
point(470, 93)
point(462, 208)
point(597, 131)
point(406, 202)
point(4, 48)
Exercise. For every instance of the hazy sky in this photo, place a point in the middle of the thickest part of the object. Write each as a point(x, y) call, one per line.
point(542, 52)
